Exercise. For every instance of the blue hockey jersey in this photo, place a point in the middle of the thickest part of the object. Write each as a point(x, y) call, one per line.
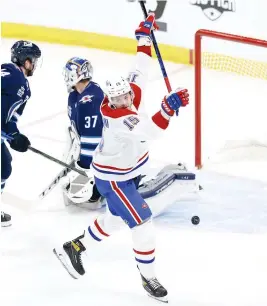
point(86, 119)
point(15, 92)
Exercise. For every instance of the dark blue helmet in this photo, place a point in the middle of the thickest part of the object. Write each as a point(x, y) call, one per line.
point(24, 50)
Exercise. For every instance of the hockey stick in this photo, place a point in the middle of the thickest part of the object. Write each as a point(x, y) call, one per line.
point(53, 184)
point(8, 137)
point(162, 67)
point(56, 180)
point(56, 161)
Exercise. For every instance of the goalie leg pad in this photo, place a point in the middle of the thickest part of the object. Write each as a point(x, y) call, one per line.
point(164, 179)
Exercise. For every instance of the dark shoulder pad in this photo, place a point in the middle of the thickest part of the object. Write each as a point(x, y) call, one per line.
point(96, 89)
point(12, 77)
point(11, 69)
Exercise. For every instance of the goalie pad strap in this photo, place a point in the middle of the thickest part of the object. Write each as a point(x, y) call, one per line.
point(161, 182)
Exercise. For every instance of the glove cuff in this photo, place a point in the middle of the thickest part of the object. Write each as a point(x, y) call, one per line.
point(144, 41)
point(165, 115)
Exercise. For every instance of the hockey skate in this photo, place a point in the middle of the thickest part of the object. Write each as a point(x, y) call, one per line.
point(70, 257)
point(155, 289)
point(5, 219)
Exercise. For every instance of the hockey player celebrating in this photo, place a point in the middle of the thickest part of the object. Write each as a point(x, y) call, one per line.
point(84, 135)
point(120, 157)
point(15, 93)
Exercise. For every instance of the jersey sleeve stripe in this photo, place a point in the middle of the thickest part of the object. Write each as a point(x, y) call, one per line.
point(89, 146)
point(85, 152)
point(90, 139)
point(13, 109)
point(160, 121)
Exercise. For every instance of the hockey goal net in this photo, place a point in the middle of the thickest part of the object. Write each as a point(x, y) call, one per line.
point(230, 97)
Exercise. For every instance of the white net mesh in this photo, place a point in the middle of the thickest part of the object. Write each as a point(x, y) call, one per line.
point(234, 101)
point(240, 66)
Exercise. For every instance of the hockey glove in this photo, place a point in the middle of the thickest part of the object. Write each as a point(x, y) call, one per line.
point(20, 143)
point(145, 27)
point(174, 100)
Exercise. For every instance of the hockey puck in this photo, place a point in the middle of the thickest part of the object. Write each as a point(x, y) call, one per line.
point(195, 220)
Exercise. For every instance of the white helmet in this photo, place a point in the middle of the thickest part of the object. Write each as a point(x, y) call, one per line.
point(75, 70)
point(117, 91)
point(78, 188)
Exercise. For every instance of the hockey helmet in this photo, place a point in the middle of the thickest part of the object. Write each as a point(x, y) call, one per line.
point(24, 50)
point(75, 70)
point(117, 90)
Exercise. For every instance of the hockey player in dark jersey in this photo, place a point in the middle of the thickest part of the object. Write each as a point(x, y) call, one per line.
point(15, 92)
point(85, 98)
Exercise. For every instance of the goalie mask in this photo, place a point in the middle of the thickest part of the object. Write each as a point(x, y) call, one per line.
point(75, 70)
point(78, 188)
point(119, 93)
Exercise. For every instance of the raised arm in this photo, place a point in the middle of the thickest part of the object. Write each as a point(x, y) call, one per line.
point(130, 124)
point(139, 73)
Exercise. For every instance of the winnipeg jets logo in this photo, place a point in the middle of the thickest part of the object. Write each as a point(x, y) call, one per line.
point(86, 98)
point(213, 9)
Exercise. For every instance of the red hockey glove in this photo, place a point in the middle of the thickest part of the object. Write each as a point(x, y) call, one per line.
point(174, 100)
point(145, 27)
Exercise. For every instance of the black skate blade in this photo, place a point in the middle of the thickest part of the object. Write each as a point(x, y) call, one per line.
point(163, 299)
point(65, 265)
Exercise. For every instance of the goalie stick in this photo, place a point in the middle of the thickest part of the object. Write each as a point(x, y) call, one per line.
point(53, 184)
point(60, 175)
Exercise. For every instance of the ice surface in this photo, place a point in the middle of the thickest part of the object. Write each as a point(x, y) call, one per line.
point(220, 262)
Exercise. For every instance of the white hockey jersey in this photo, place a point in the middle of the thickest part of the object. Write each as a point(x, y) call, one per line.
point(123, 151)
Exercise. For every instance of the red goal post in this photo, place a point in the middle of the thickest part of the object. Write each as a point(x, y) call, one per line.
point(231, 64)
